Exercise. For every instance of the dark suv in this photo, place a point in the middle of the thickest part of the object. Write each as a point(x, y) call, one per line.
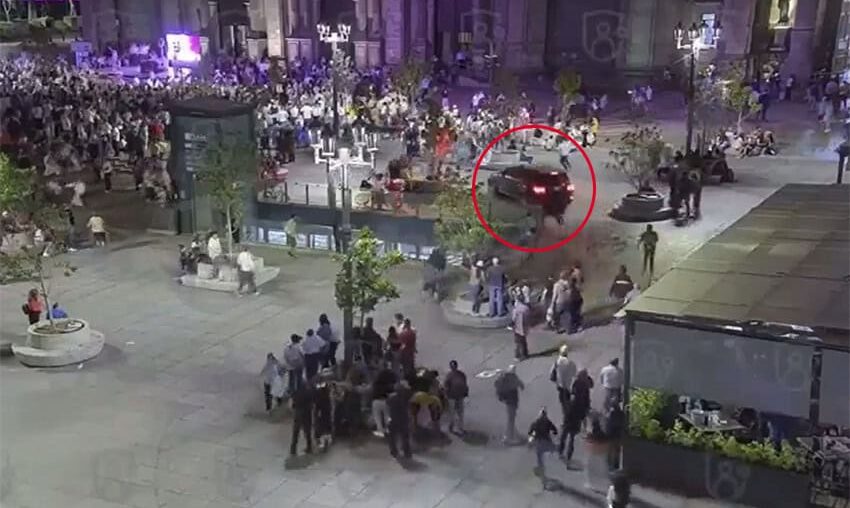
point(535, 186)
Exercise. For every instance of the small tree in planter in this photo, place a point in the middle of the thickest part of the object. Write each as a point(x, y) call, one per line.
point(638, 155)
point(362, 282)
point(738, 95)
point(458, 229)
point(567, 86)
point(407, 79)
point(227, 167)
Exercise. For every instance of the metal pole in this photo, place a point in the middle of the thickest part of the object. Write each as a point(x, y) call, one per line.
point(841, 162)
point(330, 184)
point(335, 91)
point(347, 312)
point(690, 134)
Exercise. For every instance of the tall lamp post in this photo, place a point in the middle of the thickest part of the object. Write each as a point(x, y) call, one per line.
point(341, 36)
point(340, 165)
point(695, 39)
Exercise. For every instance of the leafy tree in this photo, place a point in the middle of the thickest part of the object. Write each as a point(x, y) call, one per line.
point(638, 154)
point(738, 95)
point(506, 83)
point(343, 71)
point(567, 86)
point(407, 79)
point(458, 228)
point(16, 186)
point(362, 282)
point(226, 167)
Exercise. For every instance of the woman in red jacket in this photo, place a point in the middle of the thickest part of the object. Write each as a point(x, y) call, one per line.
point(34, 306)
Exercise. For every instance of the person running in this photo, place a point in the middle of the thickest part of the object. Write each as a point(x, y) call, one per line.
point(291, 230)
point(648, 240)
point(540, 435)
point(621, 286)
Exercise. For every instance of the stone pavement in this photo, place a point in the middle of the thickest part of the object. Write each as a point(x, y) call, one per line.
point(170, 414)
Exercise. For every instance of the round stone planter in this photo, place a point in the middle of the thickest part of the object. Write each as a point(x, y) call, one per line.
point(75, 343)
point(641, 207)
point(458, 312)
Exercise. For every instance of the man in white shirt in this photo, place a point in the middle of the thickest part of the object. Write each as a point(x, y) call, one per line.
point(214, 252)
point(245, 270)
point(313, 347)
point(565, 148)
point(611, 377)
point(565, 371)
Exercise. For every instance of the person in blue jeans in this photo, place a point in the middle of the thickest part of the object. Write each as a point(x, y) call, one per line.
point(496, 288)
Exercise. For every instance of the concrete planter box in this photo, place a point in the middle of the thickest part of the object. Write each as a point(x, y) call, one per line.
point(641, 207)
point(228, 278)
point(42, 349)
point(702, 474)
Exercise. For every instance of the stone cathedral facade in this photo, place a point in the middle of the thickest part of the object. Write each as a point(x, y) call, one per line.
point(600, 37)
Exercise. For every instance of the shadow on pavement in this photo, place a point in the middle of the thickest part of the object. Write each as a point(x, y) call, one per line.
point(475, 438)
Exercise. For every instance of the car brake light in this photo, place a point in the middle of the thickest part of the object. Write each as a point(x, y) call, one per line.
point(571, 187)
point(538, 189)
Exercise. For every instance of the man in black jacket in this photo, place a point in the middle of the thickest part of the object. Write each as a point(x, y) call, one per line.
point(398, 404)
point(302, 406)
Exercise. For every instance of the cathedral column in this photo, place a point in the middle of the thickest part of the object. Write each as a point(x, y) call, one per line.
point(799, 60)
point(275, 27)
point(396, 31)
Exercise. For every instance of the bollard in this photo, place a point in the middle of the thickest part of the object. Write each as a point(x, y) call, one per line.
point(307, 193)
point(286, 192)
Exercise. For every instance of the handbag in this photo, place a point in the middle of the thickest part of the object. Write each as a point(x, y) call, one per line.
point(278, 388)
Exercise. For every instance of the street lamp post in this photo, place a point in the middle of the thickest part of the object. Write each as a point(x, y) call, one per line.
point(328, 36)
point(695, 39)
point(324, 152)
point(341, 165)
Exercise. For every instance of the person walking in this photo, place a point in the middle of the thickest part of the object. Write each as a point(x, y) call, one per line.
point(575, 415)
point(540, 435)
point(621, 286)
point(398, 404)
point(382, 387)
point(520, 315)
point(595, 467)
point(302, 406)
point(291, 230)
point(407, 352)
point(508, 385)
point(575, 302)
point(33, 306)
point(560, 300)
point(563, 373)
point(245, 272)
point(327, 334)
point(615, 428)
point(314, 350)
point(270, 376)
point(648, 240)
point(293, 360)
point(611, 378)
point(496, 288)
point(456, 390)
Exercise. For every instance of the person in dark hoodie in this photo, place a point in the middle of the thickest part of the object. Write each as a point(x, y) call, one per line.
point(540, 434)
point(398, 404)
point(303, 401)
